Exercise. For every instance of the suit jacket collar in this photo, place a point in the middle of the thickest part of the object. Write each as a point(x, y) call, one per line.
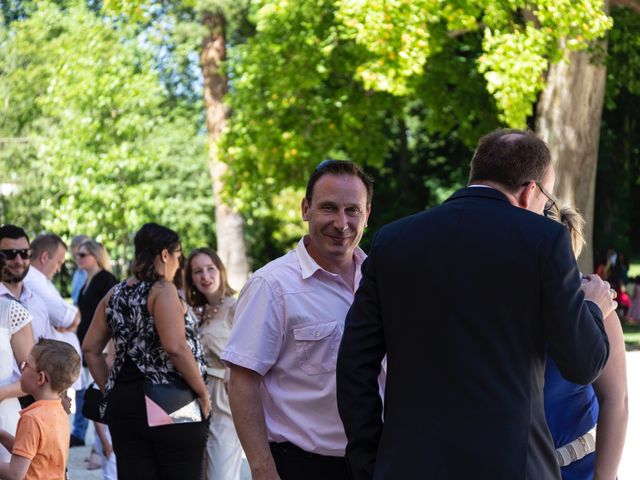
point(479, 192)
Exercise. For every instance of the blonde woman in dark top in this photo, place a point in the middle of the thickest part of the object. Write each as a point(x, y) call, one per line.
point(93, 258)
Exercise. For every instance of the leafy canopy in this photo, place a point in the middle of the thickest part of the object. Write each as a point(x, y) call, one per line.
point(332, 77)
point(106, 148)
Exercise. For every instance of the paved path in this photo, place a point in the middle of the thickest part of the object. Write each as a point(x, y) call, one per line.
point(78, 470)
point(629, 468)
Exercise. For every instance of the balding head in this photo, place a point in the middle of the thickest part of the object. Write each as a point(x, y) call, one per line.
point(510, 158)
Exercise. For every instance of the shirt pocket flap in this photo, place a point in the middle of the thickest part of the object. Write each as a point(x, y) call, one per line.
point(314, 332)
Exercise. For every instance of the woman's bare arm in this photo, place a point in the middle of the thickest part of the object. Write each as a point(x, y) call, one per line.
point(611, 390)
point(168, 315)
point(21, 344)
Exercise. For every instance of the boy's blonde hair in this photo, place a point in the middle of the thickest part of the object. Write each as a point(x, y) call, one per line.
point(59, 361)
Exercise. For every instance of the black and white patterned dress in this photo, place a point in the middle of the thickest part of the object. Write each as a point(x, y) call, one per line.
point(135, 336)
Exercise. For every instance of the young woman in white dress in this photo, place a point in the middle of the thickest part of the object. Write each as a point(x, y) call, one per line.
point(210, 296)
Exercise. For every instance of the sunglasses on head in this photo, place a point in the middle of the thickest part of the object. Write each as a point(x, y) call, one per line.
point(12, 253)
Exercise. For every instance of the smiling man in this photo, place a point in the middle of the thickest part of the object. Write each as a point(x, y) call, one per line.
point(287, 329)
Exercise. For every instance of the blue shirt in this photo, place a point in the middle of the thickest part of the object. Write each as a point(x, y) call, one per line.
point(77, 281)
point(571, 411)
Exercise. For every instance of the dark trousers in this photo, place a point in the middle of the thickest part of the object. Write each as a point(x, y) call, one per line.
point(170, 452)
point(293, 463)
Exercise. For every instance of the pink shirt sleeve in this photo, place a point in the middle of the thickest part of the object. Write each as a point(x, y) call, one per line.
point(258, 328)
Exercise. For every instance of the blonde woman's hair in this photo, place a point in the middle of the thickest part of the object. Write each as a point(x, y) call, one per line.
point(99, 253)
point(573, 220)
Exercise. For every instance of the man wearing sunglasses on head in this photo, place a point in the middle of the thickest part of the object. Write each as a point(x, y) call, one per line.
point(14, 245)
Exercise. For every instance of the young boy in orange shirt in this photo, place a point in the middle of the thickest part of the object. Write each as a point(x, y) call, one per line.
point(41, 446)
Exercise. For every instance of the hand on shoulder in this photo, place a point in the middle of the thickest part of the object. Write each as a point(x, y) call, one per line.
point(599, 292)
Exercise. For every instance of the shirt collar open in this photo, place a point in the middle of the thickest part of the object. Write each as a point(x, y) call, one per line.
point(308, 266)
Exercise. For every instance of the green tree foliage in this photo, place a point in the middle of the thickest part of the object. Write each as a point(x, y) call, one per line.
point(96, 144)
point(101, 123)
point(617, 217)
point(338, 77)
point(623, 61)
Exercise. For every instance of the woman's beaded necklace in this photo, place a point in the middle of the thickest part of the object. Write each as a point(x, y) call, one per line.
point(210, 312)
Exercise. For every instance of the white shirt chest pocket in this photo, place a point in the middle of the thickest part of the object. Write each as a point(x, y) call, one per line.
point(317, 347)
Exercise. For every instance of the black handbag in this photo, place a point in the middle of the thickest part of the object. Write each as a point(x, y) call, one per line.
point(92, 404)
point(171, 403)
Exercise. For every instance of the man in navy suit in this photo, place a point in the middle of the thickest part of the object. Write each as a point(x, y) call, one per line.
point(466, 300)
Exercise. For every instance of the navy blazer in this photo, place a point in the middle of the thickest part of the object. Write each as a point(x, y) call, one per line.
point(463, 299)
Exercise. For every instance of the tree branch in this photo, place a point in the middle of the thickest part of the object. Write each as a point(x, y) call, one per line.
point(630, 4)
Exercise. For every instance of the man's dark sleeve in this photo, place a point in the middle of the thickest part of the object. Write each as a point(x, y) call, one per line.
point(574, 328)
point(359, 364)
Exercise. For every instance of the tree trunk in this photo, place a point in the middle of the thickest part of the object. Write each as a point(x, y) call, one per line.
point(568, 119)
point(232, 248)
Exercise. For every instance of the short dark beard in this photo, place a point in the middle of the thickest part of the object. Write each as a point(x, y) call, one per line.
point(8, 277)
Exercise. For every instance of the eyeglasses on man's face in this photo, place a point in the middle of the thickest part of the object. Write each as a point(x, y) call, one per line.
point(12, 253)
point(550, 205)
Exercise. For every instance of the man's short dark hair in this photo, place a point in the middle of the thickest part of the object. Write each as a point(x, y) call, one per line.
point(339, 167)
point(48, 242)
point(12, 232)
point(511, 158)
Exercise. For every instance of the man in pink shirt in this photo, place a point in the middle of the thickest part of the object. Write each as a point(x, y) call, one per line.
point(287, 329)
